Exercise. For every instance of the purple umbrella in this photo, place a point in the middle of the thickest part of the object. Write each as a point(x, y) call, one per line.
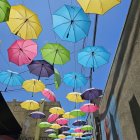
point(78, 138)
point(50, 131)
point(64, 128)
point(79, 123)
point(87, 134)
point(41, 68)
point(66, 133)
point(91, 94)
point(37, 115)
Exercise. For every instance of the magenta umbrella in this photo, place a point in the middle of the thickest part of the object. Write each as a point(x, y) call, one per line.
point(52, 118)
point(22, 52)
point(78, 130)
point(89, 108)
point(62, 121)
point(49, 94)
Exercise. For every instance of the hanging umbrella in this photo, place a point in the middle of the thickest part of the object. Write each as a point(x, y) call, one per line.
point(64, 128)
point(91, 94)
point(57, 110)
point(78, 138)
point(62, 121)
point(24, 23)
point(4, 10)
point(78, 135)
point(30, 105)
point(68, 116)
point(53, 135)
point(55, 53)
point(22, 52)
point(10, 78)
point(71, 23)
point(98, 6)
point(55, 126)
point(87, 128)
point(78, 130)
point(87, 134)
point(93, 57)
point(49, 94)
point(89, 108)
point(68, 137)
point(77, 113)
point(50, 131)
point(52, 117)
point(66, 133)
point(37, 115)
point(57, 79)
point(71, 130)
point(61, 136)
point(75, 80)
point(41, 68)
point(79, 123)
point(44, 125)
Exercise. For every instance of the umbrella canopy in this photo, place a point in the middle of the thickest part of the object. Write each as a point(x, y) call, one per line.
point(30, 105)
point(78, 130)
point(33, 85)
point(49, 94)
point(74, 97)
point(71, 23)
point(88, 108)
point(62, 121)
point(87, 128)
point(52, 117)
point(57, 110)
point(68, 137)
point(44, 125)
point(53, 135)
point(50, 131)
point(61, 136)
point(64, 128)
point(78, 134)
point(4, 10)
point(68, 116)
point(22, 52)
point(96, 6)
point(91, 94)
point(93, 57)
point(71, 130)
point(41, 68)
point(75, 80)
point(66, 133)
point(55, 53)
point(24, 23)
point(57, 78)
point(77, 113)
point(79, 123)
point(37, 115)
point(87, 134)
point(55, 126)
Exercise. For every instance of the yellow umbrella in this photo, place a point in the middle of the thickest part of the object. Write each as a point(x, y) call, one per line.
point(57, 110)
point(55, 126)
point(78, 134)
point(75, 97)
point(24, 23)
point(68, 116)
point(61, 136)
point(97, 6)
point(30, 105)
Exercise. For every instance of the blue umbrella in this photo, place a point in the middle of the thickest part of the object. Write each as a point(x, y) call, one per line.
point(93, 57)
point(71, 23)
point(75, 80)
point(10, 78)
point(37, 115)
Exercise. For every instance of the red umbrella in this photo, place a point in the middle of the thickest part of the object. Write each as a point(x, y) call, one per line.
point(52, 118)
point(49, 94)
point(22, 52)
point(78, 130)
point(62, 121)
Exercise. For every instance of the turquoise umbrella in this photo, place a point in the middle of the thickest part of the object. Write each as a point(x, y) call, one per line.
point(71, 23)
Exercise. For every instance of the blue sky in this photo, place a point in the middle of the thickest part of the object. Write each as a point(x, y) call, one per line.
point(110, 26)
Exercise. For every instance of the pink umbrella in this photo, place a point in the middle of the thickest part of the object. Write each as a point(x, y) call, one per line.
point(52, 118)
point(22, 52)
point(62, 121)
point(78, 130)
point(49, 94)
point(88, 108)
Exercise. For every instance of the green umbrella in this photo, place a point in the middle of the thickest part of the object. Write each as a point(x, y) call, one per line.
point(55, 53)
point(57, 79)
point(4, 10)
point(44, 125)
point(77, 113)
point(53, 135)
point(87, 128)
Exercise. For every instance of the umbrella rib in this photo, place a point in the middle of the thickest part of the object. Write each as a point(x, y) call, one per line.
point(61, 24)
point(33, 29)
point(61, 16)
point(77, 14)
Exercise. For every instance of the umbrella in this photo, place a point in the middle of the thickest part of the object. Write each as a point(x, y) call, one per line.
point(62, 121)
point(30, 105)
point(68, 116)
point(78, 130)
point(4, 10)
point(89, 108)
point(91, 94)
point(78, 138)
point(53, 135)
point(49, 94)
point(98, 6)
point(66, 133)
point(52, 117)
point(61, 136)
point(77, 113)
point(71, 23)
point(93, 57)
point(87, 134)
point(55, 126)
point(57, 110)
point(50, 131)
point(24, 23)
point(75, 80)
point(68, 137)
point(37, 115)
point(44, 125)
point(71, 130)
point(22, 52)
point(78, 134)
point(64, 128)
point(79, 123)
point(10, 78)
point(87, 128)
point(55, 53)
point(41, 68)
point(57, 79)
